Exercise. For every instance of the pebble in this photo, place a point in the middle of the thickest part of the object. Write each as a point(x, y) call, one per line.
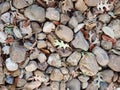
point(101, 56)
point(103, 86)
point(42, 57)
point(92, 86)
point(10, 65)
point(19, 51)
point(28, 75)
point(80, 5)
point(4, 7)
point(105, 18)
point(114, 63)
point(21, 82)
point(2, 76)
point(45, 88)
point(48, 27)
point(74, 84)
point(3, 37)
point(41, 44)
point(35, 54)
point(41, 36)
point(73, 22)
point(106, 44)
point(117, 44)
point(88, 65)
point(55, 86)
point(56, 75)
point(78, 16)
point(9, 79)
point(64, 18)
point(42, 66)
point(19, 4)
point(35, 13)
point(117, 9)
point(107, 75)
point(83, 78)
point(54, 60)
point(80, 42)
point(74, 58)
point(32, 66)
point(52, 14)
point(64, 33)
point(62, 85)
point(36, 28)
point(91, 2)
point(64, 70)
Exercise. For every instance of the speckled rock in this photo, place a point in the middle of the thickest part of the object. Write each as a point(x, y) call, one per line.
point(52, 14)
point(101, 56)
point(55, 86)
point(114, 63)
point(56, 75)
point(105, 18)
point(80, 42)
point(64, 33)
point(35, 12)
point(54, 60)
point(74, 84)
point(74, 58)
point(41, 44)
point(106, 44)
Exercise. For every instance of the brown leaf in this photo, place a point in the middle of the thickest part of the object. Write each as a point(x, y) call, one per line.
point(91, 46)
point(45, 51)
point(85, 33)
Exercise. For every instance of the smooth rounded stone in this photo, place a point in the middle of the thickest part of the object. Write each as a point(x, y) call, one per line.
point(62, 85)
point(83, 78)
point(74, 84)
point(115, 25)
point(84, 85)
point(103, 86)
point(56, 75)
point(64, 33)
point(64, 70)
point(49, 70)
point(35, 54)
point(17, 53)
point(117, 44)
point(107, 75)
point(80, 42)
point(64, 18)
point(16, 73)
point(64, 53)
point(54, 60)
point(91, 2)
point(42, 66)
point(41, 44)
point(2, 76)
point(42, 57)
point(10, 65)
point(117, 9)
point(88, 65)
point(92, 86)
point(41, 36)
point(19, 4)
point(45, 88)
point(4, 7)
point(35, 13)
point(32, 85)
point(78, 16)
point(105, 18)
point(55, 86)
point(9, 79)
point(28, 75)
point(106, 44)
point(21, 82)
point(114, 63)
point(101, 56)
point(80, 5)
point(73, 22)
point(115, 77)
point(74, 58)
point(36, 27)
point(32, 66)
point(52, 14)
point(48, 27)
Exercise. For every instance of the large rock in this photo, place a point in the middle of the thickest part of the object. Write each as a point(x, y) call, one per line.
point(35, 13)
point(19, 4)
point(80, 42)
point(114, 63)
point(88, 64)
point(64, 33)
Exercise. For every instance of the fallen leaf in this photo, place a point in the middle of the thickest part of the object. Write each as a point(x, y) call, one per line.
point(85, 33)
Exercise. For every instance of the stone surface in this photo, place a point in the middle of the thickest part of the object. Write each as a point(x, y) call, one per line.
point(74, 58)
point(55, 86)
point(64, 18)
point(41, 44)
point(114, 63)
point(36, 28)
point(56, 75)
point(73, 22)
point(35, 12)
point(91, 2)
point(21, 82)
point(88, 65)
point(105, 18)
point(19, 4)
point(48, 27)
point(64, 33)
point(101, 56)
point(41, 36)
point(4, 7)
point(52, 14)
point(54, 60)
point(80, 42)
point(74, 84)
point(106, 44)
point(42, 57)
point(78, 16)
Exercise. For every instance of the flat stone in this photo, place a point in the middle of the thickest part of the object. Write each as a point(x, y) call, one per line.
point(41, 44)
point(73, 22)
point(35, 13)
point(91, 2)
point(105, 18)
point(74, 58)
point(56, 75)
point(55, 86)
point(42, 57)
point(48, 27)
point(21, 82)
point(64, 18)
point(80, 42)
point(36, 28)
